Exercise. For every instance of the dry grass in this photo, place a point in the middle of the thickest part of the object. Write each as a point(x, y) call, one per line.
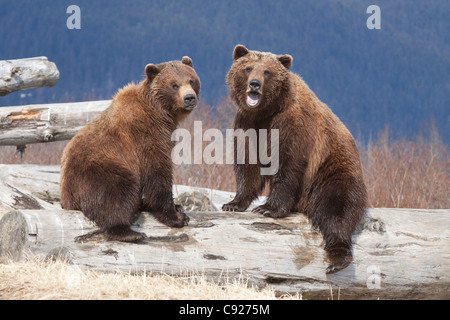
point(57, 280)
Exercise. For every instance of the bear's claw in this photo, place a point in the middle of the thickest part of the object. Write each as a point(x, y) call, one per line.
point(340, 258)
point(333, 268)
point(268, 211)
point(233, 206)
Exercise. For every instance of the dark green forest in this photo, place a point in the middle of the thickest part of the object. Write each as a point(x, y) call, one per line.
point(397, 76)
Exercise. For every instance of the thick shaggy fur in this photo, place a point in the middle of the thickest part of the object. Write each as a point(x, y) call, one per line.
point(120, 162)
point(319, 166)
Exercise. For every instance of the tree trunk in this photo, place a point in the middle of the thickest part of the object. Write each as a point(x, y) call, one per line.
point(46, 122)
point(27, 73)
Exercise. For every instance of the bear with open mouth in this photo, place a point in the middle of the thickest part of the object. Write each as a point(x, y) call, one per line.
point(320, 172)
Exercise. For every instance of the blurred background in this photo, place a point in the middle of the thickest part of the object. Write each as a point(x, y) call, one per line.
point(389, 86)
point(397, 76)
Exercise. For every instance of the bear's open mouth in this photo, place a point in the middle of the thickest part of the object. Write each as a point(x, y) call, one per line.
point(253, 99)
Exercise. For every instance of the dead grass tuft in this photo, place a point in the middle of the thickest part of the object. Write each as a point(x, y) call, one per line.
point(39, 280)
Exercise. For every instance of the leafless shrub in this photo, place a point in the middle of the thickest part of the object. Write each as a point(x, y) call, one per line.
point(407, 174)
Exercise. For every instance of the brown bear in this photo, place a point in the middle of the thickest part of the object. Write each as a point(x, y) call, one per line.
point(319, 171)
point(120, 163)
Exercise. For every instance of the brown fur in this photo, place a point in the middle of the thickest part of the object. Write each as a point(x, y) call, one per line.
point(319, 166)
point(120, 162)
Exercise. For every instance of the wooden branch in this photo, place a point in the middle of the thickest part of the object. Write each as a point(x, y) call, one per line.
point(46, 122)
point(398, 253)
point(22, 74)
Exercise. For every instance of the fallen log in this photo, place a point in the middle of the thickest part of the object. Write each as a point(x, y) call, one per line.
point(39, 123)
point(29, 73)
point(398, 253)
point(29, 187)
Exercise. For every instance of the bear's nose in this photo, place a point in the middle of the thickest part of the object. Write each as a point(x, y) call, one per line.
point(255, 84)
point(190, 99)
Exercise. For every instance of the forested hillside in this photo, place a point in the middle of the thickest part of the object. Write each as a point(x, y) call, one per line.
point(396, 76)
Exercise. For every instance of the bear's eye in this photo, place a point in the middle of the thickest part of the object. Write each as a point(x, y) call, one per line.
point(267, 73)
point(191, 82)
point(175, 87)
point(248, 69)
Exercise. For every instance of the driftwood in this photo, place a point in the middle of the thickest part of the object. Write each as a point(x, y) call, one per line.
point(22, 74)
point(398, 253)
point(29, 187)
point(37, 123)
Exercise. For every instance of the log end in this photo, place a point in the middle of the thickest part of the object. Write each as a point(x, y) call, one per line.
point(23, 74)
point(13, 236)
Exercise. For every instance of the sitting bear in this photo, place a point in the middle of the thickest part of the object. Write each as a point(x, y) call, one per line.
point(319, 171)
point(120, 162)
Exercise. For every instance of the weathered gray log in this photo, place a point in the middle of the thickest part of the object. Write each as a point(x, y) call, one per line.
point(29, 73)
point(398, 253)
point(46, 122)
point(29, 187)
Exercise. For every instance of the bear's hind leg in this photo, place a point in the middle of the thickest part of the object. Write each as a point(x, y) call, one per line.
point(336, 210)
point(338, 243)
point(111, 202)
point(340, 258)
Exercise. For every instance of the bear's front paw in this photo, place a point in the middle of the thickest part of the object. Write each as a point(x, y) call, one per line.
point(173, 219)
point(181, 221)
point(234, 206)
point(268, 211)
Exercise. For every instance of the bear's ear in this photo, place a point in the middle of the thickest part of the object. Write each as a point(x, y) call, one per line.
point(187, 61)
point(239, 51)
point(286, 60)
point(151, 70)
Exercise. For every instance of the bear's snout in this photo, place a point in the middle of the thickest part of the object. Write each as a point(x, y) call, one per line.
point(255, 85)
point(254, 93)
point(190, 100)
point(187, 97)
